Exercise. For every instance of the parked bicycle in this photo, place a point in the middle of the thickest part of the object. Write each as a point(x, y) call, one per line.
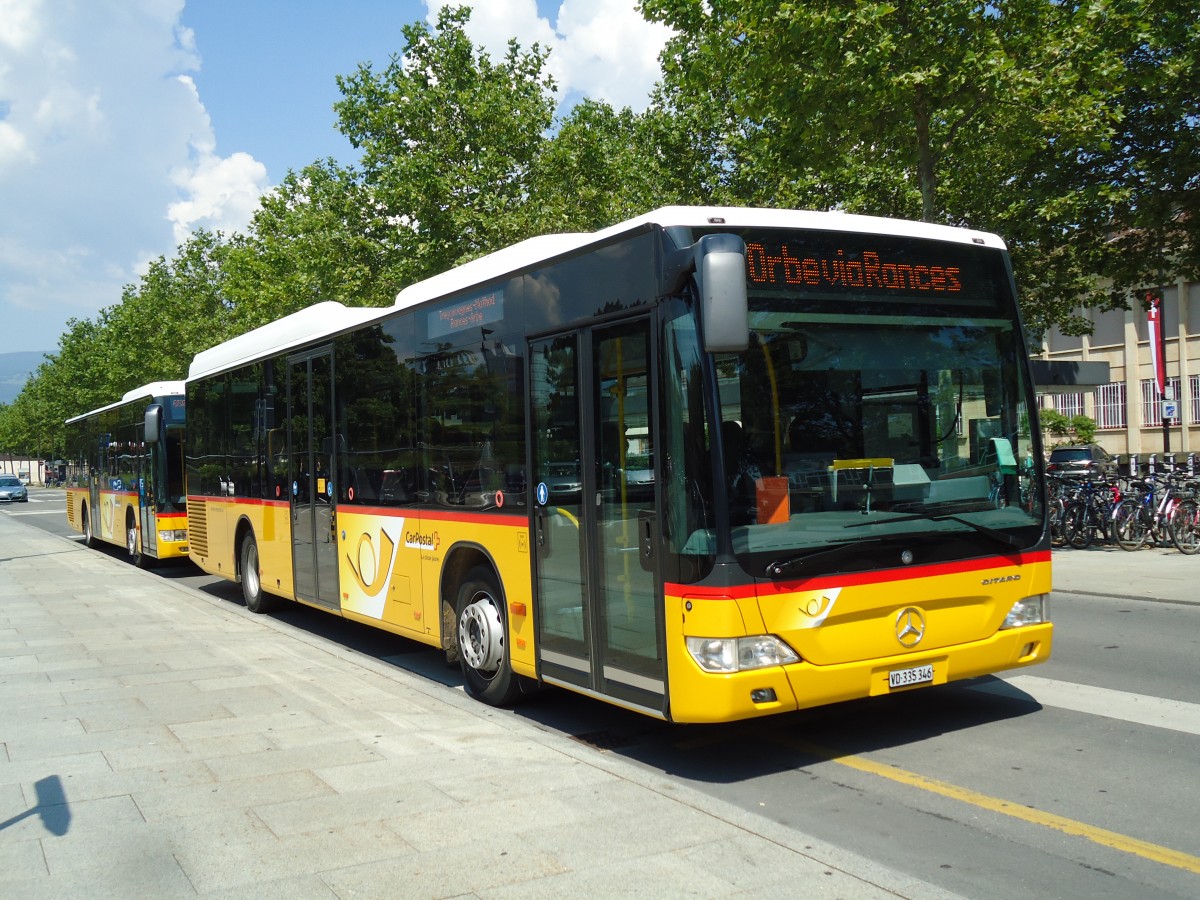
point(1162, 511)
point(1087, 512)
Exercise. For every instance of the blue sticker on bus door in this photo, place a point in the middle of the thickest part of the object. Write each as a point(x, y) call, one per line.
point(543, 493)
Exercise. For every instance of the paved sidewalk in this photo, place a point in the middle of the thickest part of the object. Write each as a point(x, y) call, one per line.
point(1147, 574)
point(157, 742)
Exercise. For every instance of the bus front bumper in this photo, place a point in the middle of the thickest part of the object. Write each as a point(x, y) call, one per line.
point(699, 696)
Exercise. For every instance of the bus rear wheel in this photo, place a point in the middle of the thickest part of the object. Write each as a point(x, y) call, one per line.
point(89, 539)
point(257, 600)
point(483, 640)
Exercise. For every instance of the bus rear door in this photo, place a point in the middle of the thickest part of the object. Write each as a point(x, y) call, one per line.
point(310, 442)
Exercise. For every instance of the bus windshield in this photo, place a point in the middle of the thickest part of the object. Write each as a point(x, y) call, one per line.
point(880, 406)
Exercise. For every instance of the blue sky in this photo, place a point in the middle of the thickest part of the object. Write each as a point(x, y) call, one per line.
point(125, 125)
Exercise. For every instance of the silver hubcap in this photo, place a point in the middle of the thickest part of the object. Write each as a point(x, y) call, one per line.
point(251, 573)
point(131, 540)
point(481, 634)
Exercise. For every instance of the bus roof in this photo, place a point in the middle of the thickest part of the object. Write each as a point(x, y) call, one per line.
point(327, 317)
point(537, 250)
point(146, 391)
point(331, 318)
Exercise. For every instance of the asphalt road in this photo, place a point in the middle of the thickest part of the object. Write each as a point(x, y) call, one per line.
point(1079, 778)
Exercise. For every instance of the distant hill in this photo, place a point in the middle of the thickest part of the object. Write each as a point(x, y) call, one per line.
point(15, 369)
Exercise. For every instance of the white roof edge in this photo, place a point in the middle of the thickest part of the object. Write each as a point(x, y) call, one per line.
point(304, 326)
point(485, 268)
point(529, 252)
point(148, 391)
point(154, 389)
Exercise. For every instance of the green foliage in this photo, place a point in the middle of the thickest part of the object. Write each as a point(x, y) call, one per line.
point(1156, 162)
point(315, 237)
point(1054, 422)
point(1084, 428)
point(1078, 429)
point(176, 310)
point(1070, 129)
point(1048, 123)
point(448, 139)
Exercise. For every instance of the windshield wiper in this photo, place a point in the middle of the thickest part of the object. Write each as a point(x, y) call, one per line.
point(786, 566)
point(1002, 537)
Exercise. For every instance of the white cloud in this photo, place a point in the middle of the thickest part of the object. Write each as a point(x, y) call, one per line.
point(602, 49)
point(222, 194)
point(18, 23)
point(219, 193)
point(106, 156)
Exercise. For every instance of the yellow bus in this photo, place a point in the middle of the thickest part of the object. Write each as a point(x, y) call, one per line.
point(125, 473)
point(706, 464)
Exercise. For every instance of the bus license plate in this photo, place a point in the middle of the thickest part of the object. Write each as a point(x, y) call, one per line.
point(898, 678)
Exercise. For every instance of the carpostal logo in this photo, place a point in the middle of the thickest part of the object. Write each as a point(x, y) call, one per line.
point(415, 540)
point(1000, 579)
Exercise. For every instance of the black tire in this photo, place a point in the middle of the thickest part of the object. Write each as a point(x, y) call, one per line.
point(1185, 527)
point(89, 539)
point(481, 634)
point(257, 600)
point(1128, 527)
point(1057, 510)
point(133, 544)
point(1077, 526)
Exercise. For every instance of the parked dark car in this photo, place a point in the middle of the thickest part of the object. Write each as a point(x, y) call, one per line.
point(1081, 460)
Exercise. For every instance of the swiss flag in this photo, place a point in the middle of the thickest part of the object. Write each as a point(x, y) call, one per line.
point(1154, 324)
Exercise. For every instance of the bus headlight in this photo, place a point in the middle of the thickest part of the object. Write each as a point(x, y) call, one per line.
point(1028, 611)
point(740, 654)
point(173, 536)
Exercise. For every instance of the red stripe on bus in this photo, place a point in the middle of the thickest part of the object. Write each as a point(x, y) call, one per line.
point(423, 513)
point(881, 576)
point(247, 501)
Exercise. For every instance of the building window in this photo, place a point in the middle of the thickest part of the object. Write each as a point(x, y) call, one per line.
point(1070, 405)
point(1110, 405)
point(1194, 398)
point(1152, 403)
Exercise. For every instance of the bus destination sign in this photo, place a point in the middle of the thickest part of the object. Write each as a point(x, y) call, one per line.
point(874, 271)
point(466, 313)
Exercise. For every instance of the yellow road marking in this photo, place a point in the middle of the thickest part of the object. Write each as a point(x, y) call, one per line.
point(1124, 843)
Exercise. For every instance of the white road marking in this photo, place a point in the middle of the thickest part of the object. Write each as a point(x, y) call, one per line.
point(1141, 709)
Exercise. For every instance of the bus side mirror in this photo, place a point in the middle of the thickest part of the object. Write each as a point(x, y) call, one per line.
point(724, 308)
point(154, 420)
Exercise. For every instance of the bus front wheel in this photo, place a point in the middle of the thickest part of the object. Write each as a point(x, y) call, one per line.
point(482, 640)
point(133, 545)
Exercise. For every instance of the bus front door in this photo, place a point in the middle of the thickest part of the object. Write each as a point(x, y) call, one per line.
point(314, 543)
point(146, 491)
point(599, 605)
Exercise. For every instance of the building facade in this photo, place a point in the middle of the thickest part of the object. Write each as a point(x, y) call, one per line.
point(1128, 410)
